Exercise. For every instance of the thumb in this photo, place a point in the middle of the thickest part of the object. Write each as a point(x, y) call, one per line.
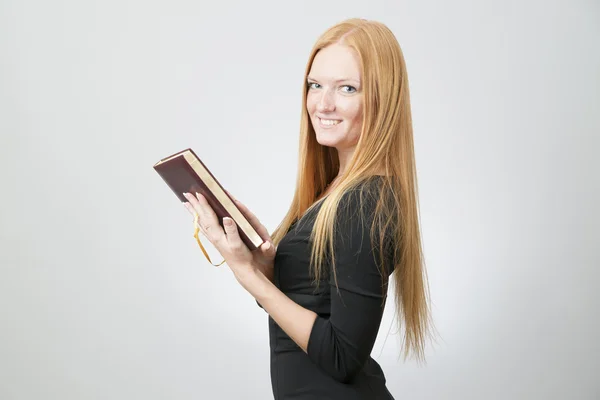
point(268, 248)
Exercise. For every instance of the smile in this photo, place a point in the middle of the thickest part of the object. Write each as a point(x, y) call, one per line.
point(328, 122)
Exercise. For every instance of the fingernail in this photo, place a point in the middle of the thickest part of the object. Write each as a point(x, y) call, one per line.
point(227, 221)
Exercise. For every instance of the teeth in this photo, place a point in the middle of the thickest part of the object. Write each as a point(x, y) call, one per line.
point(330, 121)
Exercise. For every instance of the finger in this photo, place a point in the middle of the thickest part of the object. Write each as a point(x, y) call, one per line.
point(211, 219)
point(247, 213)
point(196, 216)
point(196, 206)
point(201, 207)
point(208, 219)
point(189, 207)
point(193, 212)
point(254, 221)
point(230, 195)
point(231, 232)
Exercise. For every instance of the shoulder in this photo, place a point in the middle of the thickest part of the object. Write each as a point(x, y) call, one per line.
point(358, 232)
point(360, 227)
point(361, 200)
point(357, 215)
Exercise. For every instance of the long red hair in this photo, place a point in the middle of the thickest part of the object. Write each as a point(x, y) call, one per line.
point(385, 144)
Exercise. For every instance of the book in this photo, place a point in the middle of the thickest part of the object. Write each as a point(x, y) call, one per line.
point(185, 172)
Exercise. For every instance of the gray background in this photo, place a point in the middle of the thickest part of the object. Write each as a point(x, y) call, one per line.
point(104, 293)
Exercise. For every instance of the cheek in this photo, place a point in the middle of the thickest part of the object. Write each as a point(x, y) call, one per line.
point(310, 102)
point(353, 111)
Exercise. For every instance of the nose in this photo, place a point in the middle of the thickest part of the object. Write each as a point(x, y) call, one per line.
point(326, 102)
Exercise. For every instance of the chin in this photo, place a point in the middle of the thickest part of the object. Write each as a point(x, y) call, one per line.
point(327, 140)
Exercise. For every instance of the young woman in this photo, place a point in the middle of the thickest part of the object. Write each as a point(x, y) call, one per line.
point(353, 225)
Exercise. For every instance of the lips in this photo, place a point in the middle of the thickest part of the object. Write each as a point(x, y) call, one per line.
point(328, 123)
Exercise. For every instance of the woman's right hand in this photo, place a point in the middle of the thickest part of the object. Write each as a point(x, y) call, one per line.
point(263, 256)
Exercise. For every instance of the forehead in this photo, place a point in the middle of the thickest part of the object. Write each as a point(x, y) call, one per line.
point(335, 62)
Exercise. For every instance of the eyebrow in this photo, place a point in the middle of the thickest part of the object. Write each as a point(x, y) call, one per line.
point(337, 80)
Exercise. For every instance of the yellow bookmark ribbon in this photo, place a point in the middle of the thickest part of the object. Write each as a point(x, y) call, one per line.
point(197, 229)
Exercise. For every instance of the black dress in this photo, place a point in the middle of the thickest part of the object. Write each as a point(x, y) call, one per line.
point(337, 364)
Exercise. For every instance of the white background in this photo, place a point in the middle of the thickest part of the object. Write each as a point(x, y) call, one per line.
point(104, 293)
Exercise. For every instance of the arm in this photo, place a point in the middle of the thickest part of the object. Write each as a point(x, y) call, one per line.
point(269, 275)
point(341, 343)
point(295, 320)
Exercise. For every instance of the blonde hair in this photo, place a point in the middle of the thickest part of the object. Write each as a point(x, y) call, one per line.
point(385, 144)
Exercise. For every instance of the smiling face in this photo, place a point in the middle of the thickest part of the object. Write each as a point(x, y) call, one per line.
point(335, 98)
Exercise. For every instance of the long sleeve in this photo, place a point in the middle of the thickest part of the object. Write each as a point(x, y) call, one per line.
point(341, 343)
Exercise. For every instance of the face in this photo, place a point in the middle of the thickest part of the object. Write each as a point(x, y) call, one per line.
point(335, 99)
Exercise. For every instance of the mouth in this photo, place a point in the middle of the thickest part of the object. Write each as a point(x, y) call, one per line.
point(328, 123)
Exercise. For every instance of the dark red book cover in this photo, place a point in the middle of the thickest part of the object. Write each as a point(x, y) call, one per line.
point(185, 172)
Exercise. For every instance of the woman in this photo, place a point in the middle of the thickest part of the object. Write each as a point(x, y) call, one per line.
point(323, 276)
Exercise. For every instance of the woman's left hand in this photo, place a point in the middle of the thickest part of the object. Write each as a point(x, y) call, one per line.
point(226, 240)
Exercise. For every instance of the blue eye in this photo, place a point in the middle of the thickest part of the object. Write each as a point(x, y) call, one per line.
point(314, 85)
